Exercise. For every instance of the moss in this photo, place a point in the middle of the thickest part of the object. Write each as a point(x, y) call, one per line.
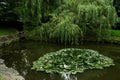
point(71, 61)
point(9, 41)
point(12, 40)
point(7, 36)
point(1, 77)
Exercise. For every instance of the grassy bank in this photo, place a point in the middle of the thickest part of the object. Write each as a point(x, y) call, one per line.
point(5, 32)
point(115, 33)
point(7, 35)
point(115, 36)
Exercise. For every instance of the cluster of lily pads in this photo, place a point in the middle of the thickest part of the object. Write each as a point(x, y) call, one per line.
point(71, 61)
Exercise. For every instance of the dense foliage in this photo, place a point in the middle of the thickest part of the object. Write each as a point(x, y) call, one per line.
point(7, 12)
point(71, 61)
point(29, 11)
point(117, 6)
point(79, 16)
point(62, 21)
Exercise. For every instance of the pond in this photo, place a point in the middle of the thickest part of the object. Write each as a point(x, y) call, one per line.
point(20, 55)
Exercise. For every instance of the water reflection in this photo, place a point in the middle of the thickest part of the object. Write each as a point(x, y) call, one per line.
point(52, 76)
point(68, 77)
point(20, 56)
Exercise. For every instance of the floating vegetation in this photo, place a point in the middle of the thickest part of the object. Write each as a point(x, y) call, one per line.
point(71, 61)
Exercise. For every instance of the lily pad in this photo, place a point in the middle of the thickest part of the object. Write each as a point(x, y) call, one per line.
point(71, 61)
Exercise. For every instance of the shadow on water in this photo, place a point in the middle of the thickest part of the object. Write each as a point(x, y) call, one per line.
point(20, 56)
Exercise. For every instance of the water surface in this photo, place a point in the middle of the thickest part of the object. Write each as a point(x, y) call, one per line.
point(20, 56)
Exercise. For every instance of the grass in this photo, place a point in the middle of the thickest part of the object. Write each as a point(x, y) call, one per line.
point(5, 32)
point(115, 36)
point(115, 33)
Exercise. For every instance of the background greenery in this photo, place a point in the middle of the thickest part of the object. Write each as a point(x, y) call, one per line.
point(61, 21)
point(4, 31)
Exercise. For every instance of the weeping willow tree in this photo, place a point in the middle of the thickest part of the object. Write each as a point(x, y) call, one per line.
point(117, 6)
point(94, 15)
point(68, 21)
point(29, 11)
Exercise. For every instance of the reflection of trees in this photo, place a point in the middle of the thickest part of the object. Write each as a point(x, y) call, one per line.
point(0, 53)
point(17, 58)
point(92, 75)
point(21, 55)
point(88, 75)
point(68, 77)
point(25, 61)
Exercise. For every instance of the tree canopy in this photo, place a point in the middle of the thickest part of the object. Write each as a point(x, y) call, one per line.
point(7, 12)
point(79, 16)
point(65, 21)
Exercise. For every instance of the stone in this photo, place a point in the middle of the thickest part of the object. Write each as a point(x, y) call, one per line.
point(8, 73)
point(1, 61)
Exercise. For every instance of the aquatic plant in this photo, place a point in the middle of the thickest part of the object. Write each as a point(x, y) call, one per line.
point(71, 61)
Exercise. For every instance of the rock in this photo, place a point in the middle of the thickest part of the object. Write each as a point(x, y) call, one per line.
point(4, 77)
point(9, 73)
point(6, 40)
point(1, 61)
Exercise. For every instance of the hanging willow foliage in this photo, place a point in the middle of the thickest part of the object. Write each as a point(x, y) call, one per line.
point(67, 32)
point(29, 11)
point(97, 15)
point(68, 18)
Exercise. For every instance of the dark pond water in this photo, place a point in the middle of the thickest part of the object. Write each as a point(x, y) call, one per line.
point(20, 56)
